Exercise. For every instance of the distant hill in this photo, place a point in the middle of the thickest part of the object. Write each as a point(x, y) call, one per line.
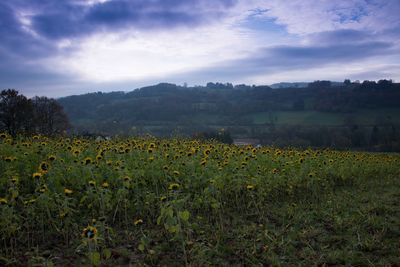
point(246, 111)
point(283, 85)
point(288, 85)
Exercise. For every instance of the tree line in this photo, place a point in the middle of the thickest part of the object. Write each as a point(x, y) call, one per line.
point(38, 115)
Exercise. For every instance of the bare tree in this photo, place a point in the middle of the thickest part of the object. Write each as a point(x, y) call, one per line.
point(50, 118)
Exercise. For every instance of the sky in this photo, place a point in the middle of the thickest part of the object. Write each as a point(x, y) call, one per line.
point(57, 48)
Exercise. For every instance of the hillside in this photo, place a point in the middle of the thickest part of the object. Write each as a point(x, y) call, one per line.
point(246, 111)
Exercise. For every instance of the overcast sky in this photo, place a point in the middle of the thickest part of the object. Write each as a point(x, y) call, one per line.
point(63, 47)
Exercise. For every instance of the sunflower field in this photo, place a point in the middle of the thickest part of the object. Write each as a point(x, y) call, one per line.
point(167, 202)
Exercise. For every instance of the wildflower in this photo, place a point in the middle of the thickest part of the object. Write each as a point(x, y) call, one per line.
point(163, 198)
point(138, 222)
point(51, 158)
point(173, 186)
point(89, 232)
point(105, 185)
point(3, 135)
point(8, 159)
point(67, 191)
point(3, 201)
point(126, 179)
point(92, 183)
point(165, 167)
point(203, 162)
point(176, 173)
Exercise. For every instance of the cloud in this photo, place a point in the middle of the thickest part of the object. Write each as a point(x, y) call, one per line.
point(278, 59)
point(68, 19)
point(305, 17)
point(101, 44)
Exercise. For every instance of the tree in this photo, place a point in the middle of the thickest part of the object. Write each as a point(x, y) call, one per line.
point(50, 118)
point(15, 112)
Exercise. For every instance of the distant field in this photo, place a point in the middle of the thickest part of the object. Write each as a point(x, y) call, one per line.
point(361, 117)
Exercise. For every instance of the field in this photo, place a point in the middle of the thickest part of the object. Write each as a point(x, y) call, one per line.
point(170, 202)
point(361, 117)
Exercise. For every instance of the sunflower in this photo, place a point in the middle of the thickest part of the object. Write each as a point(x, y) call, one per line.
point(173, 186)
point(43, 188)
point(152, 145)
point(37, 175)
point(163, 198)
point(250, 187)
point(88, 161)
point(89, 232)
point(105, 185)
point(92, 183)
point(14, 180)
point(206, 152)
point(51, 158)
point(31, 201)
point(138, 222)
point(3, 201)
point(67, 191)
point(44, 167)
point(176, 173)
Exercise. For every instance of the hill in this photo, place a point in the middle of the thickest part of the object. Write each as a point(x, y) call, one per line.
point(346, 112)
